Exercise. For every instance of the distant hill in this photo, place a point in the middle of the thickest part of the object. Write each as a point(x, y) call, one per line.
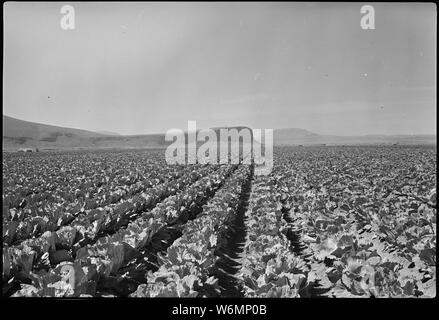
point(19, 133)
point(288, 136)
point(15, 128)
point(294, 136)
point(24, 134)
point(108, 133)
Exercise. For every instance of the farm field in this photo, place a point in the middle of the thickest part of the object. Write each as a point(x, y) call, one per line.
point(327, 222)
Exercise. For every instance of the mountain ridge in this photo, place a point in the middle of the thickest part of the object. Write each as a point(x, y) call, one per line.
point(108, 133)
point(19, 133)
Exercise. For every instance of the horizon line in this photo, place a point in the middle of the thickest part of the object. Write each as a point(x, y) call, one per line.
point(219, 127)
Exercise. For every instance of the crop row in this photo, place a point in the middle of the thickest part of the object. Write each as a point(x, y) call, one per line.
point(270, 267)
point(188, 267)
point(367, 216)
point(53, 247)
point(47, 177)
point(111, 252)
point(60, 214)
point(91, 196)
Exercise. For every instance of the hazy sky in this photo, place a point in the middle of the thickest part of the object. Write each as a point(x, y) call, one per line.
point(138, 68)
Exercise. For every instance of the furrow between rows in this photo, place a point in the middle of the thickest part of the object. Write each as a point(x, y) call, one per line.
point(188, 268)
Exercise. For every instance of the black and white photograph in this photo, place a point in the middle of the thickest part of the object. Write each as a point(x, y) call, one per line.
point(219, 150)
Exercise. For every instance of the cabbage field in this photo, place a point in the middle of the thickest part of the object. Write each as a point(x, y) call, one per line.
point(342, 221)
